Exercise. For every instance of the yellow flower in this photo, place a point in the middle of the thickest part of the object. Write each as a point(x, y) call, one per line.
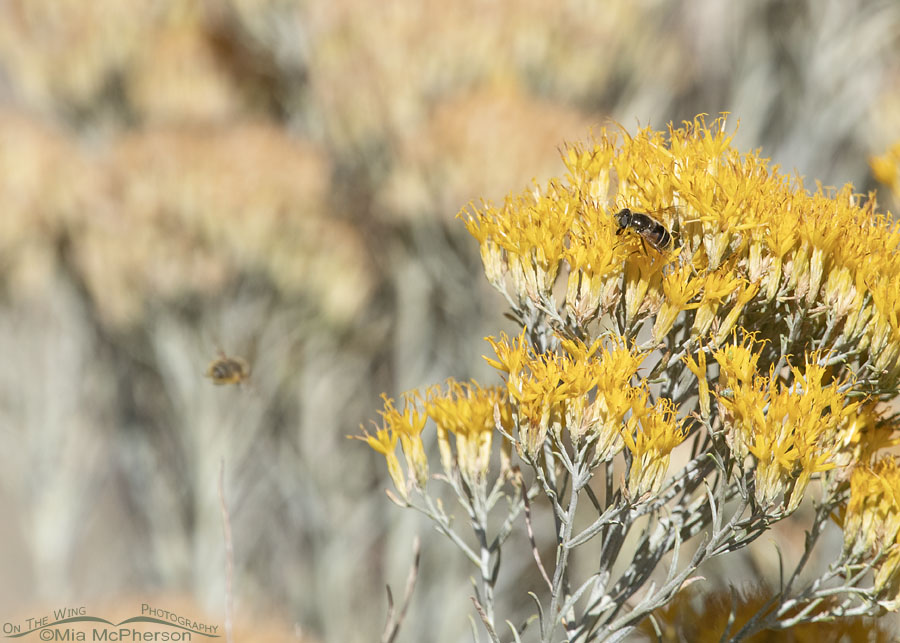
point(615, 395)
point(886, 168)
point(698, 368)
point(531, 230)
point(884, 329)
point(719, 285)
point(865, 435)
point(595, 262)
point(534, 384)
point(642, 272)
point(679, 287)
point(589, 169)
point(871, 523)
point(781, 236)
point(466, 411)
point(742, 412)
point(856, 324)
point(840, 294)
point(408, 425)
point(793, 432)
point(407, 428)
point(820, 233)
point(748, 292)
point(385, 442)
point(738, 361)
point(650, 439)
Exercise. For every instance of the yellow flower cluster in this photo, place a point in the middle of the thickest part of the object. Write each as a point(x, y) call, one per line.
point(813, 275)
point(886, 169)
point(872, 524)
point(792, 432)
point(702, 618)
point(650, 444)
point(866, 435)
point(747, 241)
point(469, 413)
point(466, 410)
point(588, 390)
point(405, 426)
point(585, 390)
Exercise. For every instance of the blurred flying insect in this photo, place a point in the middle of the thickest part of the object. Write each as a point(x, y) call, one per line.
point(649, 229)
point(228, 370)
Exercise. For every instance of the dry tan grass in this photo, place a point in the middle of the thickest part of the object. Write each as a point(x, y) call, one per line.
point(277, 179)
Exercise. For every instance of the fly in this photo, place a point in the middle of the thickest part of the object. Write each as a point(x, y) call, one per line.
point(649, 229)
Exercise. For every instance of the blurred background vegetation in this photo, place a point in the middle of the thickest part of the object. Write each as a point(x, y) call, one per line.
point(278, 179)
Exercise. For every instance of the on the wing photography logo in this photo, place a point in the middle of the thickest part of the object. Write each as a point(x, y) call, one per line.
point(77, 624)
